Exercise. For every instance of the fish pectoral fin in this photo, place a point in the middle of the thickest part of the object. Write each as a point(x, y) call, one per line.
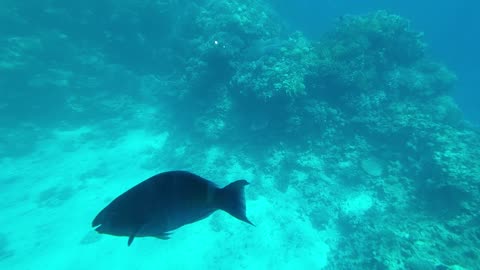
point(132, 236)
point(130, 239)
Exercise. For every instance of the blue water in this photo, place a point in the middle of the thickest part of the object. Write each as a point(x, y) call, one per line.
point(355, 123)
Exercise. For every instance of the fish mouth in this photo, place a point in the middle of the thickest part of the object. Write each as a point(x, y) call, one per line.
point(98, 220)
point(96, 225)
point(98, 228)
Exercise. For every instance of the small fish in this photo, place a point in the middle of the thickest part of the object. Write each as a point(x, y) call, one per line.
point(261, 47)
point(167, 201)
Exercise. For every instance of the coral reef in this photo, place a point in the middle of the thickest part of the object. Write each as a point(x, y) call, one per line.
point(282, 68)
point(358, 127)
point(378, 52)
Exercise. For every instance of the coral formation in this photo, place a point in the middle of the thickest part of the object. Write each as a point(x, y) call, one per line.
point(359, 127)
point(280, 69)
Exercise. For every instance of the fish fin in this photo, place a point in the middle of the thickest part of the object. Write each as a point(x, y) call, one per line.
point(132, 236)
point(231, 199)
point(130, 239)
point(164, 235)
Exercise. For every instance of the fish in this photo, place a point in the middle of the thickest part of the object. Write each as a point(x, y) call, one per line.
point(167, 201)
point(261, 48)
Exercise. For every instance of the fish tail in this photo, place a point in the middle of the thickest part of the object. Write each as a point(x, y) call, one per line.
point(231, 199)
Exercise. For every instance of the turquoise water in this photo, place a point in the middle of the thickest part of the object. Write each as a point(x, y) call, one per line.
point(355, 141)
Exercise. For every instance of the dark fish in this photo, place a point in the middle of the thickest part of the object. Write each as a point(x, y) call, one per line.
point(167, 201)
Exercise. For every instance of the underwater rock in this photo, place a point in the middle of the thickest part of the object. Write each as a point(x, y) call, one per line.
point(55, 196)
point(372, 166)
point(357, 205)
point(418, 263)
